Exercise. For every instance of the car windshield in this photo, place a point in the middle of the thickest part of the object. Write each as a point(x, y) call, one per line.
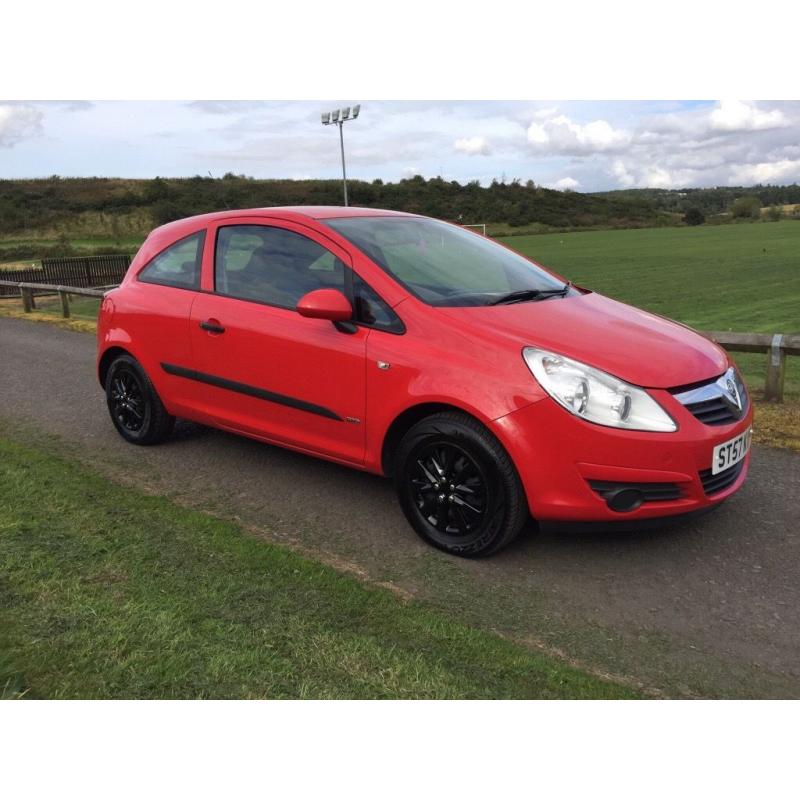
point(442, 264)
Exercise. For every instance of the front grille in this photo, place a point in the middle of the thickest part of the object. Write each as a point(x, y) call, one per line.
point(712, 412)
point(718, 402)
point(651, 492)
point(712, 484)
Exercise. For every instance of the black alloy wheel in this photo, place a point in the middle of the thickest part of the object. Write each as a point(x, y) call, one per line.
point(450, 489)
point(128, 404)
point(134, 405)
point(457, 485)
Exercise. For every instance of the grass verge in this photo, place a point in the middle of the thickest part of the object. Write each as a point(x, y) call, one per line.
point(106, 592)
point(8, 308)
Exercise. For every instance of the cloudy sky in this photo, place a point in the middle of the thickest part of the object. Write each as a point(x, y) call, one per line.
point(587, 146)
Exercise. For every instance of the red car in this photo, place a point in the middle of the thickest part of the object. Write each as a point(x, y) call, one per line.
point(489, 388)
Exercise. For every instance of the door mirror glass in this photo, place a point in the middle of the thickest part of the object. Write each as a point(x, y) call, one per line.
point(325, 304)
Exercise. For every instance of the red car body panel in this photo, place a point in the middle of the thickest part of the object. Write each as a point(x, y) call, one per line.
point(592, 326)
point(348, 389)
point(559, 488)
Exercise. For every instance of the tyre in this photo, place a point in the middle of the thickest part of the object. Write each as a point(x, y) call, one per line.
point(136, 409)
point(458, 487)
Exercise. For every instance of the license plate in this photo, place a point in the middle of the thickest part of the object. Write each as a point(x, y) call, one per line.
point(731, 452)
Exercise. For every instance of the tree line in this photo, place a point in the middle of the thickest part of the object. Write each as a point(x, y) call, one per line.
point(52, 203)
point(31, 204)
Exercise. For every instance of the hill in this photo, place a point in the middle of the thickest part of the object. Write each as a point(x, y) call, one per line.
point(716, 200)
point(71, 211)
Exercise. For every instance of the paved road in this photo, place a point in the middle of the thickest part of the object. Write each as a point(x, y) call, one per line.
point(708, 608)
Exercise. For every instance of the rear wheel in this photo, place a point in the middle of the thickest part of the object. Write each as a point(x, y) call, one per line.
point(458, 487)
point(136, 409)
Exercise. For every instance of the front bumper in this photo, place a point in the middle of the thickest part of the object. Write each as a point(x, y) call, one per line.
point(560, 458)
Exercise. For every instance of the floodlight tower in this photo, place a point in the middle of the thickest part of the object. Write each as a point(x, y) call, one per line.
point(339, 117)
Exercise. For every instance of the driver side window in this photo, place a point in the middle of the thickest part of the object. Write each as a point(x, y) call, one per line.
point(273, 265)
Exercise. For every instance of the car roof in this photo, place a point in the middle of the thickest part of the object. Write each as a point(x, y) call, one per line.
point(330, 212)
point(297, 213)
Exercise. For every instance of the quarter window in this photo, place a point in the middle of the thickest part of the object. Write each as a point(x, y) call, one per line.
point(178, 265)
point(371, 310)
point(273, 265)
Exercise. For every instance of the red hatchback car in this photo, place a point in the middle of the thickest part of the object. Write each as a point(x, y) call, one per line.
point(486, 386)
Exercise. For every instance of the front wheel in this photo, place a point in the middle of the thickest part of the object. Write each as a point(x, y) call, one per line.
point(458, 487)
point(136, 409)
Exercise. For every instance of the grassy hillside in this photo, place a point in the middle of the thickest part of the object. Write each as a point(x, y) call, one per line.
point(103, 213)
point(714, 200)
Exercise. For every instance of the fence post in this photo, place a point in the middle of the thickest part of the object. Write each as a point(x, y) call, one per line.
point(64, 303)
point(776, 369)
point(27, 299)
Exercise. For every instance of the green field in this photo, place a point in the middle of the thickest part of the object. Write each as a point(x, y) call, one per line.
point(724, 277)
point(107, 592)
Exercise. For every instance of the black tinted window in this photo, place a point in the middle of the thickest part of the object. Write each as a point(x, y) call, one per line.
point(178, 265)
point(371, 310)
point(273, 265)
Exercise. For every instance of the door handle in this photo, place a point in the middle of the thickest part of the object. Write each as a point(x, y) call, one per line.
point(212, 326)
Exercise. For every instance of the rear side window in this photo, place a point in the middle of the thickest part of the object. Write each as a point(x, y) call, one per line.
point(273, 265)
point(178, 265)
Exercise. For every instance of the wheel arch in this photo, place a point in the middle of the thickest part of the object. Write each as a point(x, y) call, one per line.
point(408, 418)
point(106, 360)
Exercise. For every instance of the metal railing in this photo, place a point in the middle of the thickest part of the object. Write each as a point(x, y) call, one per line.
point(777, 346)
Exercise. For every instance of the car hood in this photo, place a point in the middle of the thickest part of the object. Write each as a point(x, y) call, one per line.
point(639, 347)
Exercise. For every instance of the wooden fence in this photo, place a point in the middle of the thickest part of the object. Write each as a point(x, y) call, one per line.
point(776, 345)
point(27, 291)
point(82, 271)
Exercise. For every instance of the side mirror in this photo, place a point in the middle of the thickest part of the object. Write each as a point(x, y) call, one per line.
point(325, 304)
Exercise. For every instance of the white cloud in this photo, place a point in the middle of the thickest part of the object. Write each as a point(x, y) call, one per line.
point(621, 173)
point(473, 146)
point(565, 184)
point(765, 172)
point(658, 178)
point(561, 135)
point(739, 115)
point(630, 175)
point(600, 145)
point(410, 172)
point(18, 122)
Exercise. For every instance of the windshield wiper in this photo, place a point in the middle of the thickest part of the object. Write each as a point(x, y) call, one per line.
point(524, 295)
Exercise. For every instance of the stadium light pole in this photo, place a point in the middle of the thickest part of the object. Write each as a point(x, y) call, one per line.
point(338, 117)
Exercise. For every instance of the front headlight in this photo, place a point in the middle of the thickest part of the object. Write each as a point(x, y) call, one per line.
point(596, 396)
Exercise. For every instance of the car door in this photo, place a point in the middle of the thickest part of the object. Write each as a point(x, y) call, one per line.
point(266, 370)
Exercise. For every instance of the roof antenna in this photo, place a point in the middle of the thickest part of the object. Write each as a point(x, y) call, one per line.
point(223, 196)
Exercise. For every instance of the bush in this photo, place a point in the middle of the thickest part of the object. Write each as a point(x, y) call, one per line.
point(746, 208)
point(774, 213)
point(165, 211)
point(694, 216)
